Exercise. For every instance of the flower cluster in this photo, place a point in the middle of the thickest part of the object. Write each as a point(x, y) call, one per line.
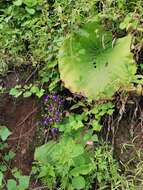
point(53, 110)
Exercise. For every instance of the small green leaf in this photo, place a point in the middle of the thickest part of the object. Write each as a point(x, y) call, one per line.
point(30, 3)
point(23, 182)
point(78, 182)
point(40, 93)
point(83, 170)
point(3, 168)
point(79, 104)
point(34, 89)
point(110, 111)
point(1, 178)
point(3, 145)
point(9, 156)
point(15, 92)
point(16, 173)
point(96, 126)
point(18, 2)
point(30, 10)
point(27, 94)
point(47, 171)
point(94, 138)
point(141, 66)
point(4, 133)
point(11, 184)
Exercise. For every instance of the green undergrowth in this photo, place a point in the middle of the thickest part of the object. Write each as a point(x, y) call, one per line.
point(79, 158)
point(19, 181)
point(33, 36)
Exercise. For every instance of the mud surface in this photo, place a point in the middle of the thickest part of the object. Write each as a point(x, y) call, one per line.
point(129, 132)
point(20, 118)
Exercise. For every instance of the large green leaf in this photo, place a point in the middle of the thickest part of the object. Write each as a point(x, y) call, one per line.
point(44, 153)
point(92, 65)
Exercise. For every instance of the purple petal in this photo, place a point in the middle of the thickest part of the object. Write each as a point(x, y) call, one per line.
point(55, 97)
point(61, 102)
point(57, 112)
point(50, 119)
point(46, 98)
point(58, 120)
point(51, 107)
point(45, 122)
point(54, 130)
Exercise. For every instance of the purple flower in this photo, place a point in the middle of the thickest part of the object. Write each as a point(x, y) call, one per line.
point(45, 122)
point(54, 131)
point(55, 97)
point(60, 102)
point(58, 120)
point(51, 107)
point(57, 112)
point(50, 119)
point(46, 98)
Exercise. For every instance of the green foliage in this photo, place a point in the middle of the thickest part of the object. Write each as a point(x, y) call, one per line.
point(73, 162)
point(16, 91)
point(99, 111)
point(76, 167)
point(1, 178)
point(2, 90)
point(67, 159)
point(141, 66)
point(31, 33)
point(74, 122)
point(20, 182)
point(26, 91)
point(3, 67)
point(88, 56)
point(23, 181)
point(18, 17)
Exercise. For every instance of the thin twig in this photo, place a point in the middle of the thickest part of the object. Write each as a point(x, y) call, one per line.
point(39, 188)
point(33, 111)
point(31, 74)
point(14, 138)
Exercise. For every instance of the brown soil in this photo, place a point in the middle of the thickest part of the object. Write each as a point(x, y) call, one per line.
point(20, 118)
point(128, 141)
point(129, 132)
